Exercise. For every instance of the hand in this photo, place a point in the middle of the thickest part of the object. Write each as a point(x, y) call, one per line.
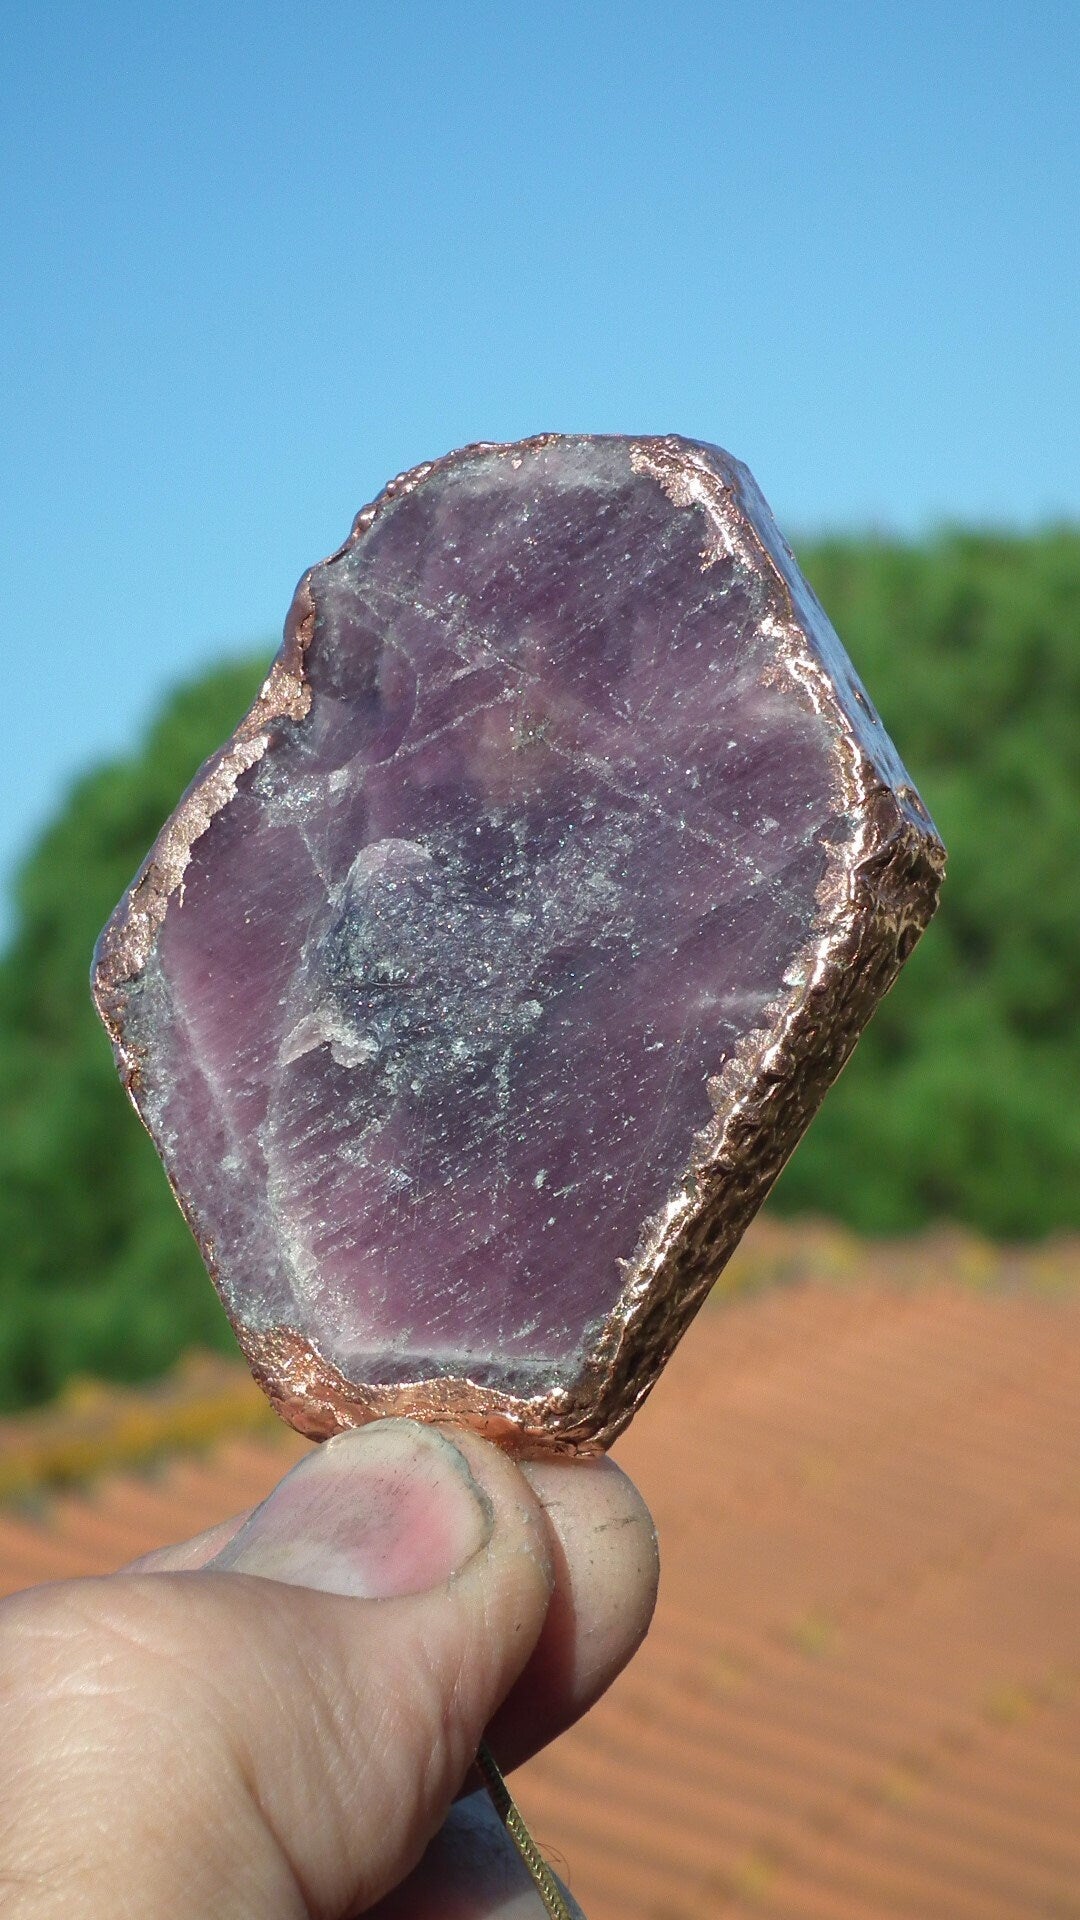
point(275, 1719)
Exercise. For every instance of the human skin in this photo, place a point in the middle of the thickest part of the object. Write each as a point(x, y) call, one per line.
point(278, 1719)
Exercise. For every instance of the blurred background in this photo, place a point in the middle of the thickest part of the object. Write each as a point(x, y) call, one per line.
point(260, 258)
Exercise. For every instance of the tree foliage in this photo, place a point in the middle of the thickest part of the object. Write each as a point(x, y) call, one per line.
point(100, 1274)
point(960, 1101)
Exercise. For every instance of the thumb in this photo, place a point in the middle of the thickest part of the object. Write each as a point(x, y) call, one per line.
point(280, 1732)
point(411, 1577)
point(381, 1698)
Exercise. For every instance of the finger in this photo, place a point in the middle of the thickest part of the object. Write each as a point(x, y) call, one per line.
point(453, 1536)
point(305, 1708)
point(607, 1568)
point(186, 1556)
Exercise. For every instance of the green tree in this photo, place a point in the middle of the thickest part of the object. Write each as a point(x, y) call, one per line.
point(961, 1098)
point(99, 1273)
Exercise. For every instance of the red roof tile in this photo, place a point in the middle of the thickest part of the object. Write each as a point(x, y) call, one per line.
point(861, 1695)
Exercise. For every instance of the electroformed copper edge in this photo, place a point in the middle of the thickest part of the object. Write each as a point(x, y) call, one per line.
point(877, 898)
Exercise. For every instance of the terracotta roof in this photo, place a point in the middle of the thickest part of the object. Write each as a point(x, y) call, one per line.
point(861, 1695)
point(94, 1428)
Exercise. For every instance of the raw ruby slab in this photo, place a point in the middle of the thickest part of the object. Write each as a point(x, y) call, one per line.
point(478, 989)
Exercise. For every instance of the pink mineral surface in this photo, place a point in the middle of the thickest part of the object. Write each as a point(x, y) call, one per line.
point(479, 987)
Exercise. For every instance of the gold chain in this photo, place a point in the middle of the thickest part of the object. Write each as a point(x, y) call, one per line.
point(537, 1867)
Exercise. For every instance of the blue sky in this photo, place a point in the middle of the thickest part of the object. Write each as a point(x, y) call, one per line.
point(260, 257)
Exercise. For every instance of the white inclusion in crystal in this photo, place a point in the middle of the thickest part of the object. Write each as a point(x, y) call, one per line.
point(326, 1028)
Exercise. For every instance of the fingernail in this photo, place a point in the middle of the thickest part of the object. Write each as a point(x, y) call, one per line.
point(384, 1511)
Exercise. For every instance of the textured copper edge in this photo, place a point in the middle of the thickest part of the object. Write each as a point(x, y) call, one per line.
point(877, 898)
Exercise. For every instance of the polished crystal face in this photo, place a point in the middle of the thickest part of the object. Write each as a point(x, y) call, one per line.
point(445, 986)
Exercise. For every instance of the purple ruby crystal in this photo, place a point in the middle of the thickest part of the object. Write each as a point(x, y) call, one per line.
point(478, 989)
